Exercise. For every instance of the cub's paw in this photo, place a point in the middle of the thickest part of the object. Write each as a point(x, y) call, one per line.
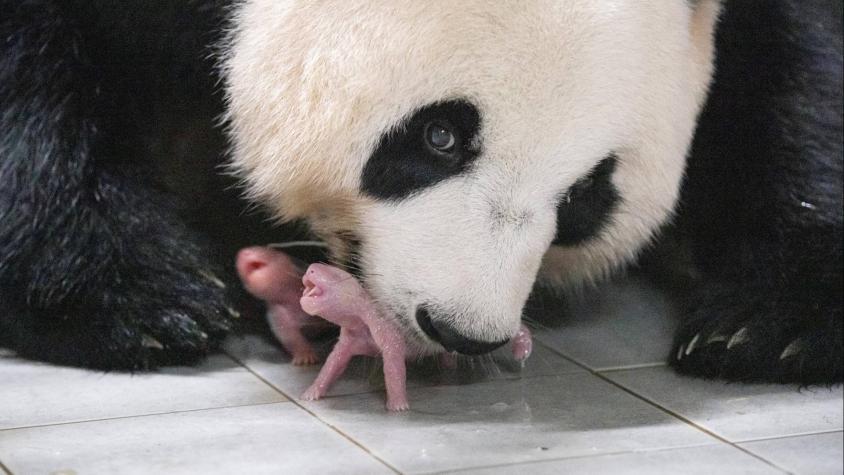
point(305, 358)
point(398, 405)
point(313, 393)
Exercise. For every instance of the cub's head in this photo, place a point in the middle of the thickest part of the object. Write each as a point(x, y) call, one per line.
point(448, 151)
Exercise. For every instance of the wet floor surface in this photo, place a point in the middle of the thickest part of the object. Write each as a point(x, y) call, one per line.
point(595, 397)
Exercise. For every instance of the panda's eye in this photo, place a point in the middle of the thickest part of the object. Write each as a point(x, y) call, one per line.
point(440, 137)
point(436, 142)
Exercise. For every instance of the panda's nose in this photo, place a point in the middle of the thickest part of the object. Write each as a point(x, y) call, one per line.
point(451, 339)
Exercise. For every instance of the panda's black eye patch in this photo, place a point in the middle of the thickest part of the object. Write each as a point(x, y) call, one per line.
point(586, 208)
point(437, 142)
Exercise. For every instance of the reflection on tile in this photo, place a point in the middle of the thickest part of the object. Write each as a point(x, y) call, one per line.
point(505, 421)
point(365, 374)
point(274, 365)
point(550, 417)
point(739, 411)
point(37, 394)
point(817, 454)
point(272, 438)
point(716, 459)
point(501, 365)
point(621, 324)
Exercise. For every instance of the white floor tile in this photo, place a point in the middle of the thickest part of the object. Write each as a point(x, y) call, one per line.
point(551, 417)
point(272, 438)
point(365, 374)
point(506, 421)
point(817, 454)
point(717, 459)
point(274, 365)
point(37, 394)
point(739, 412)
point(621, 324)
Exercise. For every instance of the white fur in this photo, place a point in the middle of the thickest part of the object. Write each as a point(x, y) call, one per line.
point(313, 85)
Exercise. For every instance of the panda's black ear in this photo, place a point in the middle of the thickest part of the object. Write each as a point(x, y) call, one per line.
point(405, 162)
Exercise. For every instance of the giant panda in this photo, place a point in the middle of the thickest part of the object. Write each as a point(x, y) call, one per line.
point(456, 156)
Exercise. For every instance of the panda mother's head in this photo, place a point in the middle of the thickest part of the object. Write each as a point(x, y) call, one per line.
point(441, 147)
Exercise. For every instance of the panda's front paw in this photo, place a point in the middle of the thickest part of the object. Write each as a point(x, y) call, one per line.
point(154, 319)
point(743, 334)
point(178, 319)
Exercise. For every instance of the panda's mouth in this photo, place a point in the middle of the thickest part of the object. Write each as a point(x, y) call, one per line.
point(417, 340)
point(401, 306)
point(413, 335)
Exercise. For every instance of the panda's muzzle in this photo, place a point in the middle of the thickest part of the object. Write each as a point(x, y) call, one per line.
point(450, 338)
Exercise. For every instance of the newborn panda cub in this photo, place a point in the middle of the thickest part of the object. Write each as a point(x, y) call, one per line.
point(336, 296)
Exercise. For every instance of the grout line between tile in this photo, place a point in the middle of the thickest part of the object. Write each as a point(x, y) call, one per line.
point(789, 436)
point(692, 423)
point(603, 369)
point(563, 355)
point(560, 459)
point(315, 416)
point(4, 469)
point(152, 414)
point(675, 414)
point(612, 369)
point(570, 358)
point(513, 377)
point(84, 421)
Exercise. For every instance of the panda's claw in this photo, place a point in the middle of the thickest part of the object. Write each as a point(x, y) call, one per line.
point(716, 338)
point(733, 333)
point(212, 278)
point(738, 338)
point(793, 349)
point(692, 344)
point(232, 312)
point(148, 341)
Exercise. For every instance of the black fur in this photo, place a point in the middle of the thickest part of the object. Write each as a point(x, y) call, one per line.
point(108, 190)
point(586, 207)
point(106, 109)
point(762, 205)
point(403, 165)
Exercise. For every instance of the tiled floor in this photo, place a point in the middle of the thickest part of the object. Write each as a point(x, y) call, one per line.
point(594, 398)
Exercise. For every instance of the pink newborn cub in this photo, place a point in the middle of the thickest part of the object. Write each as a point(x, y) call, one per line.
point(272, 276)
point(336, 296)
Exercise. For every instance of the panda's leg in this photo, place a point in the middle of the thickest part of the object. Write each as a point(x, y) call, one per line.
point(95, 270)
point(763, 202)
